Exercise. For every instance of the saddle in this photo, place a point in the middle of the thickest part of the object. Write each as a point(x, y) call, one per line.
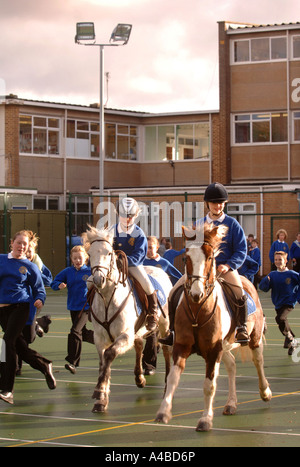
point(229, 294)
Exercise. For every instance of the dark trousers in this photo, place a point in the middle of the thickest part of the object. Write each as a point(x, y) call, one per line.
point(282, 320)
point(12, 320)
point(150, 353)
point(78, 334)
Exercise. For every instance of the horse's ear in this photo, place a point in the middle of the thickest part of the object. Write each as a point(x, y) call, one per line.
point(188, 233)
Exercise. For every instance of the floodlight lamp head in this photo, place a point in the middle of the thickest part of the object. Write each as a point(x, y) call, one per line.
point(121, 33)
point(85, 32)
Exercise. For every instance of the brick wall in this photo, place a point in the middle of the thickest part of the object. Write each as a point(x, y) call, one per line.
point(12, 145)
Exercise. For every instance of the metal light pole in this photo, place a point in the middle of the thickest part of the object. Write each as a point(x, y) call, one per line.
point(85, 35)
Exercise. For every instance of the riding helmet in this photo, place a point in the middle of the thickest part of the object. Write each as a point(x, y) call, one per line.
point(127, 207)
point(216, 193)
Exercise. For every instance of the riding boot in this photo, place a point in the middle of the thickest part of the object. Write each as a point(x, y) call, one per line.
point(152, 316)
point(242, 336)
point(169, 339)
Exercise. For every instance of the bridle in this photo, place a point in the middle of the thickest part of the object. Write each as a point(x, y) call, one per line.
point(123, 275)
point(191, 278)
point(208, 286)
point(123, 269)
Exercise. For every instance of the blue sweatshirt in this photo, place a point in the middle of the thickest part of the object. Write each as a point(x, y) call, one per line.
point(234, 245)
point(166, 266)
point(295, 250)
point(278, 246)
point(255, 254)
point(171, 254)
point(284, 286)
point(135, 245)
point(249, 268)
point(20, 281)
point(76, 284)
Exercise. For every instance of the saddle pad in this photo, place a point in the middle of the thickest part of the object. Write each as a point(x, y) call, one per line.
point(250, 304)
point(161, 296)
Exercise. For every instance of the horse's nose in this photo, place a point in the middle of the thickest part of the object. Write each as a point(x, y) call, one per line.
point(99, 281)
point(197, 297)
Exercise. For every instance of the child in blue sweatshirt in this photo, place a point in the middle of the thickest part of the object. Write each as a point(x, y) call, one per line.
point(20, 284)
point(284, 285)
point(75, 279)
point(130, 238)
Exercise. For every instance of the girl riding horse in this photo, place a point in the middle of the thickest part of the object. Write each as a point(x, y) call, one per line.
point(130, 239)
point(232, 255)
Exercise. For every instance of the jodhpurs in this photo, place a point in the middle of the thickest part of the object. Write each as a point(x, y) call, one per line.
point(139, 273)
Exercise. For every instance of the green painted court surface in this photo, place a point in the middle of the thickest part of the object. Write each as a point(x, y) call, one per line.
point(64, 418)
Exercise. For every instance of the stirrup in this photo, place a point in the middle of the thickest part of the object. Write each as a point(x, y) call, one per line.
point(168, 340)
point(241, 335)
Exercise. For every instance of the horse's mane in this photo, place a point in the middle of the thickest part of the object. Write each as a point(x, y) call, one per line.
point(93, 234)
point(214, 235)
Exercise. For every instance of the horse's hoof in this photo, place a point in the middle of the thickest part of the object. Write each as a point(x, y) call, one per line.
point(229, 410)
point(99, 408)
point(162, 418)
point(266, 395)
point(204, 425)
point(140, 382)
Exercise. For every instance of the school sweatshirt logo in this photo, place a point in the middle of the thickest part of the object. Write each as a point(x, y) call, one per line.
point(131, 241)
point(23, 270)
point(288, 280)
point(85, 277)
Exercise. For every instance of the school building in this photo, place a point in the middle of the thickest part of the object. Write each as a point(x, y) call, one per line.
point(49, 152)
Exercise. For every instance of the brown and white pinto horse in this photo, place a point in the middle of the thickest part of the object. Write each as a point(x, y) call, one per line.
point(203, 324)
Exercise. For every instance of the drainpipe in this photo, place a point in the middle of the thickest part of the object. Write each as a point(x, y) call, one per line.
point(289, 119)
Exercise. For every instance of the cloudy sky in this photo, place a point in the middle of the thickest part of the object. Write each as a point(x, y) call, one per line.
point(170, 63)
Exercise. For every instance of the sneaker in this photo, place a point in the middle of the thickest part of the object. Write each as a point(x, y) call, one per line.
point(7, 397)
point(50, 380)
point(39, 331)
point(71, 368)
point(44, 323)
point(292, 346)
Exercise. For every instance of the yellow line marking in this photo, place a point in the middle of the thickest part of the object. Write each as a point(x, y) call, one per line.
point(140, 423)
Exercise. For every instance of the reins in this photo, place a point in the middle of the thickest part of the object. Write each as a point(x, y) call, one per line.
point(106, 323)
point(122, 267)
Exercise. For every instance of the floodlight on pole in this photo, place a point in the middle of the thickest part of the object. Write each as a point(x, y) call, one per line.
point(85, 35)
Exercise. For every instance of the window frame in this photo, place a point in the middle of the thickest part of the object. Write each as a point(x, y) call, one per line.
point(48, 129)
point(250, 60)
point(253, 122)
point(241, 212)
point(92, 130)
point(176, 145)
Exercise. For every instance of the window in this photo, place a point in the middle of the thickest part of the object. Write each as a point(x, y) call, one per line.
point(39, 135)
point(296, 126)
point(177, 142)
point(121, 142)
point(261, 128)
point(46, 202)
point(245, 214)
point(296, 47)
point(83, 140)
point(259, 50)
